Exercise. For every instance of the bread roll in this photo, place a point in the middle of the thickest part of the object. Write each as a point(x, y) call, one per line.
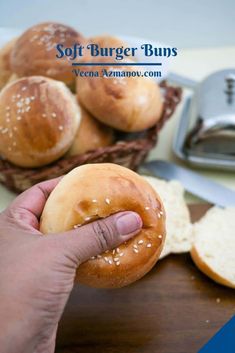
point(96, 191)
point(90, 135)
point(5, 70)
point(38, 121)
point(179, 229)
point(35, 54)
point(128, 104)
point(213, 249)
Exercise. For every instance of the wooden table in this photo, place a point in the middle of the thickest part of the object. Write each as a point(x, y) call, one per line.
point(174, 309)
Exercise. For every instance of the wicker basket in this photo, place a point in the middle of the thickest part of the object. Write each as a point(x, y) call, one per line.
point(129, 150)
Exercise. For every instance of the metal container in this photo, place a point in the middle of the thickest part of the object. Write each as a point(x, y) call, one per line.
point(206, 133)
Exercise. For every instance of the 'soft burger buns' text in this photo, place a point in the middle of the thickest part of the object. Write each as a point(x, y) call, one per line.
point(5, 70)
point(38, 121)
point(90, 135)
point(95, 191)
point(125, 103)
point(34, 53)
point(213, 249)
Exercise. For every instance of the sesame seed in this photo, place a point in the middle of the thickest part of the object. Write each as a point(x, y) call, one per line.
point(140, 242)
point(99, 256)
point(218, 300)
point(23, 88)
point(147, 208)
point(149, 245)
point(44, 115)
point(106, 252)
point(61, 127)
point(136, 251)
point(117, 263)
point(8, 108)
point(107, 201)
point(159, 216)
point(27, 109)
point(106, 259)
point(113, 251)
point(135, 246)
point(160, 236)
point(116, 259)
point(121, 254)
point(117, 250)
point(94, 200)
point(53, 115)
point(4, 131)
point(27, 100)
point(32, 98)
point(87, 218)
point(18, 118)
point(110, 262)
point(93, 258)
point(18, 96)
point(161, 212)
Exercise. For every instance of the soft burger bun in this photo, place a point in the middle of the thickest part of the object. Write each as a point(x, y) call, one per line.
point(90, 135)
point(95, 191)
point(128, 104)
point(5, 69)
point(38, 121)
point(34, 52)
point(213, 249)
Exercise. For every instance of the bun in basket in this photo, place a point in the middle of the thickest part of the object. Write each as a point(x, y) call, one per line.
point(38, 121)
point(213, 249)
point(90, 135)
point(95, 191)
point(34, 52)
point(5, 70)
point(128, 104)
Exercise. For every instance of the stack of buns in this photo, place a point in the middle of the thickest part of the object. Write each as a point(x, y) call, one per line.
point(41, 121)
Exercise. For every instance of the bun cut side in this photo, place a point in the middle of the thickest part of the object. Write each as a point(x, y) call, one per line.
point(213, 249)
point(95, 191)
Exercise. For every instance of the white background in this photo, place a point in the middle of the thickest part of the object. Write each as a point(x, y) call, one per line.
point(182, 23)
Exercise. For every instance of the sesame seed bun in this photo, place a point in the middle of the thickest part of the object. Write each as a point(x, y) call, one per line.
point(90, 135)
point(34, 52)
point(38, 121)
point(128, 104)
point(95, 191)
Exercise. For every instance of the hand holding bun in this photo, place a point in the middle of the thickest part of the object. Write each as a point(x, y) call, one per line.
point(34, 53)
point(38, 121)
point(90, 135)
point(95, 191)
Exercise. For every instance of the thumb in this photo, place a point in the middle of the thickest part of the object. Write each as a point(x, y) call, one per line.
point(96, 237)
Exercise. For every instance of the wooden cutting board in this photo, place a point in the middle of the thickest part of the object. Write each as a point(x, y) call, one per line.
point(173, 309)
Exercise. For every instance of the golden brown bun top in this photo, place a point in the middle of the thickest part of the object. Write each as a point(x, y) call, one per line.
point(35, 54)
point(125, 103)
point(90, 135)
point(95, 191)
point(38, 120)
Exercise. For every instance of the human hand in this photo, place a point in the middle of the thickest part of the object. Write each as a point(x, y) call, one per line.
point(37, 272)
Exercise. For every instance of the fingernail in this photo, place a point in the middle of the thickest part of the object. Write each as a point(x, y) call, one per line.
point(128, 223)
